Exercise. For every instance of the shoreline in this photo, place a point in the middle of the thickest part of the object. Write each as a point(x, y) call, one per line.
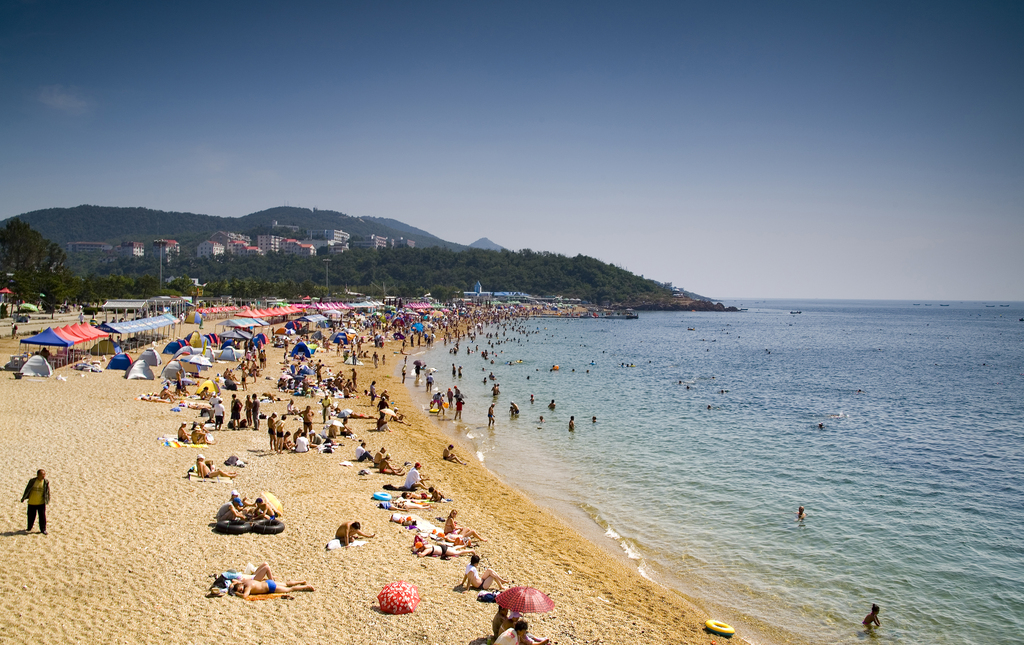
point(586, 523)
point(131, 550)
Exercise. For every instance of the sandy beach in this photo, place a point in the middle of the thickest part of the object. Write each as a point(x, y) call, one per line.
point(131, 552)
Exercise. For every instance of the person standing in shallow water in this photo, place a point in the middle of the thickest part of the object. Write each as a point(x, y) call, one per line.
point(572, 424)
point(37, 492)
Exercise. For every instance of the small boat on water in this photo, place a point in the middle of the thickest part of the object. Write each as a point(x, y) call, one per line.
point(796, 312)
point(943, 305)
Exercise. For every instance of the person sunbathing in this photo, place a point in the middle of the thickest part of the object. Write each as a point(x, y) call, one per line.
point(165, 394)
point(200, 436)
point(475, 579)
point(408, 504)
point(348, 531)
point(386, 468)
point(436, 495)
point(205, 471)
point(519, 635)
point(262, 510)
point(449, 455)
point(263, 583)
point(183, 435)
point(451, 527)
point(444, 551)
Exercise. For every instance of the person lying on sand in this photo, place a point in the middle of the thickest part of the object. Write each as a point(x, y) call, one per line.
point(207, 472)
point(408, 504)
point(348, 531)
point(263, 583)
point(449, 455)
point(436, 495)
point(451, 527)
point(443, 551)
point(474, 579)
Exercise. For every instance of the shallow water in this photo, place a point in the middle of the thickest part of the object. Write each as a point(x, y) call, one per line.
point(913, 488)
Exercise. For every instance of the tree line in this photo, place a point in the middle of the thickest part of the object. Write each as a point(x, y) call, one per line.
point(39, 270)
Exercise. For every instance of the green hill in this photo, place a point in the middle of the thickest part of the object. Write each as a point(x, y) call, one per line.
point(114, 225)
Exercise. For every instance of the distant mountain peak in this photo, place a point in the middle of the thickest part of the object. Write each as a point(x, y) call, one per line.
point(486, 244)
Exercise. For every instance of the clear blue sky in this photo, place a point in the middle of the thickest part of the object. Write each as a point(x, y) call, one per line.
point(833, 150)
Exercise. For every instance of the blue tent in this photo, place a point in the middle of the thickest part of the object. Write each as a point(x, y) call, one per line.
point(260, 339)
point(120, 362)
point(228, 343)
point(173, 347)
point(291, 325)
point(340, 337)
point(301, 348)
point(47, 337)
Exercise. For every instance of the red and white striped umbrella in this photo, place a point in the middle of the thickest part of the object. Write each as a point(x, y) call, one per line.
point(398, 598)
point(525, 600)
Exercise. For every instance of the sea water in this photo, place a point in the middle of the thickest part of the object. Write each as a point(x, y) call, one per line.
point(707, 440)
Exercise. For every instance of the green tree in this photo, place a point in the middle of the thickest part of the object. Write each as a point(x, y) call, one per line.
point(24, 249)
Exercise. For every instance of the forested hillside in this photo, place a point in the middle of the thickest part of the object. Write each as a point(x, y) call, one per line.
point(114, 225)
point(407, 272)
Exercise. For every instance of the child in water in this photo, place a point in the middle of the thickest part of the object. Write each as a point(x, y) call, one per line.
point(872, 619)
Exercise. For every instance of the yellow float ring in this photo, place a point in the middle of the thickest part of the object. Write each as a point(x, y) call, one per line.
point(719, 627)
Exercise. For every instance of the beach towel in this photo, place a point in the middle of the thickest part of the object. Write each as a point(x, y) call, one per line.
point(192, 477)
point(270, 596)
point(336, 544)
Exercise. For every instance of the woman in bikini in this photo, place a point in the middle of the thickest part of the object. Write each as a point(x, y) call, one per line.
point(450, 527)
point(443, 551)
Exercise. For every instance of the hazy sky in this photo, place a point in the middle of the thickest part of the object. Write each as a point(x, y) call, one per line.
point(819, 149)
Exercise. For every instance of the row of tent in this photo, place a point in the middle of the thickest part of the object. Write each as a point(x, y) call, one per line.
point(70, 335)
point(225, 341)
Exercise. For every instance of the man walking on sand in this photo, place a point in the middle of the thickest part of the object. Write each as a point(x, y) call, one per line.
point(37, 492)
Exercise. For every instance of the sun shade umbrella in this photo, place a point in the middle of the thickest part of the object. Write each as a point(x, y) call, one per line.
point(398, 598)
point(417, 362)
point(388, 412)
point(525, 600)
point(197, 359)
point(274, 501)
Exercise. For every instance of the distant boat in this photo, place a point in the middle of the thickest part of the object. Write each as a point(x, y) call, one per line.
point(746, 310)
point(694, 329)
point(943, 305)
point(917, 304)
point(796, 312)
point(1004, 305)
point(990, 306)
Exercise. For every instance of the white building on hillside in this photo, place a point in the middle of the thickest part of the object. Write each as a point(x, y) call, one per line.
point(209, 248)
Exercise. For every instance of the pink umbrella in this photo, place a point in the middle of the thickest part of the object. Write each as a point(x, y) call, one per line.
point(525, 600)
point(399, 598)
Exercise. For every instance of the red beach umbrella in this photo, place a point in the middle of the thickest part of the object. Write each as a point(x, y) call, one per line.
point(398, 598)
point(525, 600)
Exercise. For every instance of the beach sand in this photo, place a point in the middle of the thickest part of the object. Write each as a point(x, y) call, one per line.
point(131, 552)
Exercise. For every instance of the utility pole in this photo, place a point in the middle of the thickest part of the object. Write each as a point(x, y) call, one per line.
point(160, 245)
point(327, 276)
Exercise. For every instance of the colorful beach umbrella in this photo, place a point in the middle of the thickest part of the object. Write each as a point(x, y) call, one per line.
point(398, 598)
point(525, 600)
point(274, 501)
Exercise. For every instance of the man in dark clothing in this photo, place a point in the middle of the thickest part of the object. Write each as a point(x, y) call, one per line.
point(37, 492)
